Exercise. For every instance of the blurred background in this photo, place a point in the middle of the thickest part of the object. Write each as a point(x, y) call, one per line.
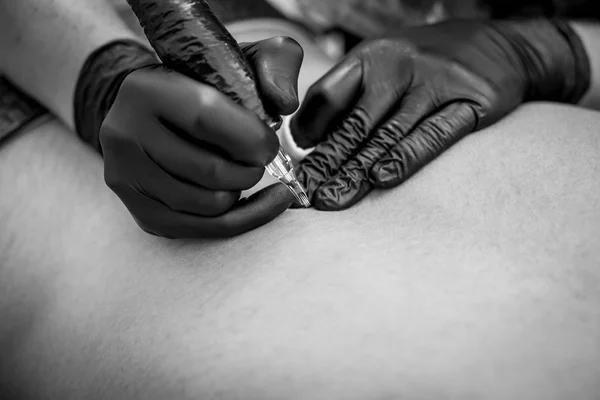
point(338, 25)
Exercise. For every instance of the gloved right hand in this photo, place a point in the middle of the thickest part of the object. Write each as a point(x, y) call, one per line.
point(178, 153)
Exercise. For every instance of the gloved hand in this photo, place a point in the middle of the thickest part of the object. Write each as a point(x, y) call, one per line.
point(396, 103)
point(177, 152)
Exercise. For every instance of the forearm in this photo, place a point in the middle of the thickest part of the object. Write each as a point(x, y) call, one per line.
point(49, 40)
point(590, 36)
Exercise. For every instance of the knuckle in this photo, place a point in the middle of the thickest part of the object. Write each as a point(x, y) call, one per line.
point(436, 134)
point(209, 98)
point(223, 201)
point(115, 180)
point(121, 172)
point(397, 128)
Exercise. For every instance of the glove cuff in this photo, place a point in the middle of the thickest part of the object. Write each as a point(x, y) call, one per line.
point(578, 81)
point(99, 81)
point(554, 59)
point(240, 10)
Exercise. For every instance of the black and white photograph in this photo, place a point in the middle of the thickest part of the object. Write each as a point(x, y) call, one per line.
point(299, 200)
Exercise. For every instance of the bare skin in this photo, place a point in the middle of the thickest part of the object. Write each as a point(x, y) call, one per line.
point(477, 279)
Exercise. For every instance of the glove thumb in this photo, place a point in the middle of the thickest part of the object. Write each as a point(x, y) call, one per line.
point(276, 63)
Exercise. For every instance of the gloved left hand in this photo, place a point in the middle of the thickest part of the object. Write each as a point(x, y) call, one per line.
point(396, 103)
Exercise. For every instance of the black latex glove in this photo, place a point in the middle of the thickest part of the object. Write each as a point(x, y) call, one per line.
point(396, 103)
point(177, 152)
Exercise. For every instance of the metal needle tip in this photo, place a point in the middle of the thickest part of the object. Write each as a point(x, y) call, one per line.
point(299, 193)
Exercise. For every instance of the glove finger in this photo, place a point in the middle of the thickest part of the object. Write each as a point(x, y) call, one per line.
point(276, 63)
point(253, 212)
point(200, 112)
point(326, 103)
point(197, 165)
point(142, 176)
point(328, 156)
point(426, 142)
point(351, 183)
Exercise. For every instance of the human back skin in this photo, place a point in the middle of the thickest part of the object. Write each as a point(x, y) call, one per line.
point(476, 279)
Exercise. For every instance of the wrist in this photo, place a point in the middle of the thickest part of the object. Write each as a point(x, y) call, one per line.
point(552, 56)
point(99, 81)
